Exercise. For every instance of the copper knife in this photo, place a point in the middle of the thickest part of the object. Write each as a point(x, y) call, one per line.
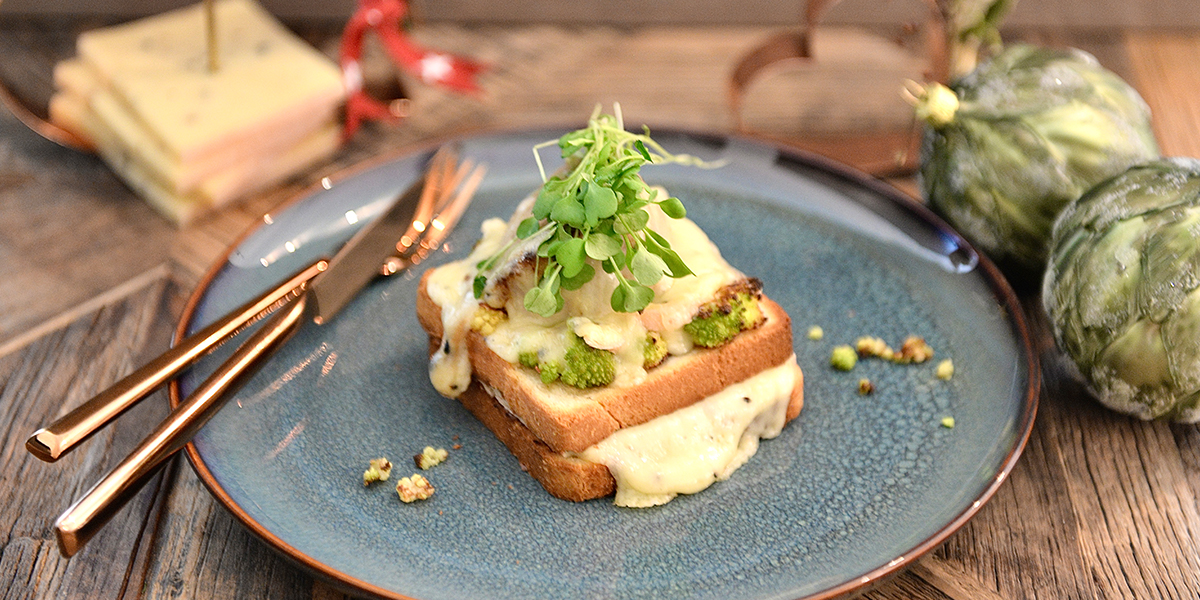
point(318, 300)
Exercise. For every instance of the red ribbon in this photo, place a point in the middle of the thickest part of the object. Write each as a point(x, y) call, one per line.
point(384, 18)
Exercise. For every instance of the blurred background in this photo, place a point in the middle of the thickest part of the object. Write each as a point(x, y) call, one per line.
point(1069, 13)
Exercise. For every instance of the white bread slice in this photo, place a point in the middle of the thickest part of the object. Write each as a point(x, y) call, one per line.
point(571, 420)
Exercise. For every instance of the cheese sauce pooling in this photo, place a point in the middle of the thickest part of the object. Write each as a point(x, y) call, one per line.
point(686, 451)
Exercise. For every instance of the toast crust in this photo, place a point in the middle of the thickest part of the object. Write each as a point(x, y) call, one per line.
point(566, 478)
point(569, 419)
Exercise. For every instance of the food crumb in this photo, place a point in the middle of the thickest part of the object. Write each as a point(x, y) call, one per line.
point(414, 488)
point(429, 457)
point(915, 349)
point(865, 387)
point(379, 470)
point(948, 422)
point(945, 370)
point(873, 346)
point(843, 358)
point(457, 446)
point(815, 333)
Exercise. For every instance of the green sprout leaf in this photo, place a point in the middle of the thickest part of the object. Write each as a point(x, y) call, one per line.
point(601, 246)
point(549, 195)
point(528, 227)
point(541, 301)
point(632, 221)
point(673, 208)
point(636, 298)
point(647, 267)
point(641, 148)
point(583, 276)
point(568, 211)
point(571, 256)
point(599, 203)
point(596, 208)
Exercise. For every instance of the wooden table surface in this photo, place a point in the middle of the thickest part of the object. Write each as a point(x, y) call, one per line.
point(92, 281)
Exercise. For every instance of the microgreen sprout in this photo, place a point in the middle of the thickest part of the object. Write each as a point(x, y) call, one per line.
point(596, 209)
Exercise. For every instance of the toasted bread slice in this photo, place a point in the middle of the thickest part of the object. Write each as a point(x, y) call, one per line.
point(568, 419)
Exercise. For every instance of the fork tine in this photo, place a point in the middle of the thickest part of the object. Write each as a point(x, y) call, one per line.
point(431, 197)
point(448, 217)
point(440, 225)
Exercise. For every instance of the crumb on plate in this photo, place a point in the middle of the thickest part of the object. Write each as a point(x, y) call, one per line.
point(430, 457)
point(380, 470)
point(413, 488)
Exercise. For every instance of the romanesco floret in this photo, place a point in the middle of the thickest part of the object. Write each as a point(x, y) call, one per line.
point(486, 319)
point(843, 358)
point(654, 351)
point(582, 366)
point(720, 320)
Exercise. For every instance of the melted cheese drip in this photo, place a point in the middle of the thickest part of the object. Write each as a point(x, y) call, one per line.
point(686, 451)
point(449, 287)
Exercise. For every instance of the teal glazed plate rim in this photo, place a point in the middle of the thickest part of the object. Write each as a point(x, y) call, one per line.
point(853, 491)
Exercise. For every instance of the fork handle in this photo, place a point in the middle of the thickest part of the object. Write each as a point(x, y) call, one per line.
point(52, 442)
point(88, 514)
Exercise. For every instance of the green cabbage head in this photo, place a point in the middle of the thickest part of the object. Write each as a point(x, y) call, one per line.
point(1020, 136)
point(1122, 289)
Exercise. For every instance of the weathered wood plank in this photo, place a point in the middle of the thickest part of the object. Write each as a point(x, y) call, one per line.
point(201, 551)
point(1167, 73)
point(69, 229)
point(40, 382)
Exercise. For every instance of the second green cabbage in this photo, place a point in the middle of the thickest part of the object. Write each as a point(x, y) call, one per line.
point(1032, 129)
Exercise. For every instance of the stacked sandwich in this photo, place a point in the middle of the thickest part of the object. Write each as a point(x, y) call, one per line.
point(634, 360)
point(185, 136)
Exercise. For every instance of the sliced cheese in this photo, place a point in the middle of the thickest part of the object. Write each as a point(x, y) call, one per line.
point(268, 78)
point(182, 178)
point(688, 450)
point(219, 189)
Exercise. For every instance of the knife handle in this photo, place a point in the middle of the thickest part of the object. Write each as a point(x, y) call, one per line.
point(60, 437)
point(88, 514)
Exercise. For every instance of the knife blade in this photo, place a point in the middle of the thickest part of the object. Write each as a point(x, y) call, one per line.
point(348, 271)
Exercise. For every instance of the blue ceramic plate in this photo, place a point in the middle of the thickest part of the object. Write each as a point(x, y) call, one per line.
point(855, 489)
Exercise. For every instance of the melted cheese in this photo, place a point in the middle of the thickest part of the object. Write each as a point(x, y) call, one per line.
point(687, 450)
point(586, 312)
point(450, 287)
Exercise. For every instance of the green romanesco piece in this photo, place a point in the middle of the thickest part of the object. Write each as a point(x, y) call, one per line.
point(582, 366)
point(654, 351)
point(843, 358)
point(720, 320)
point(528, 359)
